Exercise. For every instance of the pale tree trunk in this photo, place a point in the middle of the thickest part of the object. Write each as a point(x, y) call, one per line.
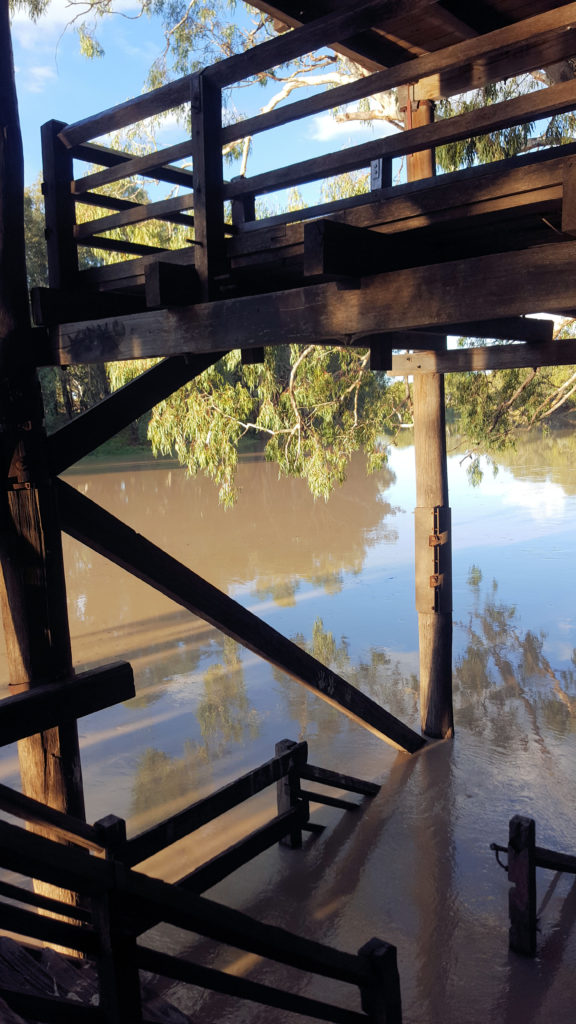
point(32, 588)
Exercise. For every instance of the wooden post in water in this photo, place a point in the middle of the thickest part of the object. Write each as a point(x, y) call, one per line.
point(433, 534)
point(522, 875)
point(32, 590)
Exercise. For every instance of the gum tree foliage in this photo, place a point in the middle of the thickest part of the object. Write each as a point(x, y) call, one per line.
point(313, 407)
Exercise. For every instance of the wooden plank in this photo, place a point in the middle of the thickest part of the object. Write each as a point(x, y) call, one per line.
point(37, 857)
point(51, 306)
point(185, 822)
point(241, 988)
point(34, 899)
point(488, 357)
point(44, 707)
point(104, 156)
point(569, 199)
point(207, 917)
point(92, 428)
point(530, 107)
point(471, 190)
point(59, 208)
point(96, 199)
point(51, 1009)
point(63, 826)
point(131, 273)
point(38, 926)
point(92, 525)
point(242, 852)
point(507, 328)
point(119, 245)
point(313, 773)
point(522, 876)
point(330, 801)
point(171, 284)
point(554, 861)
point(145, 165)
point(137, 213)
point(540, 278)
point(206, 113)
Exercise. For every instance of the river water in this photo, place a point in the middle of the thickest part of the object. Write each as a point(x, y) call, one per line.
point(413, 865)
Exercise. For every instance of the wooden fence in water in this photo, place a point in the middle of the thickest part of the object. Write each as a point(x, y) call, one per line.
point(119, 903)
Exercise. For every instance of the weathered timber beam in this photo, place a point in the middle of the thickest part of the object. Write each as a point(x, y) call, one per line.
point(61, 825)
point(146, 165)
point(555, 99)
point(137, 213)
point(88, 431)
point(48, 705)
point(99, 530)
point(103, 156)
point(171, 284)
point(489, 357)
point(524, 46)
point(334, 249)
point(513, 328)
point(52, 306)
point(554, 861)
point(513, 284)
point(313, 773)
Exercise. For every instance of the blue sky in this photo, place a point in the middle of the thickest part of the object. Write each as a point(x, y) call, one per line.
point(55, 81)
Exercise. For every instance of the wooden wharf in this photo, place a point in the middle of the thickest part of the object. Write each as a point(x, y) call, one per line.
point(394, 271)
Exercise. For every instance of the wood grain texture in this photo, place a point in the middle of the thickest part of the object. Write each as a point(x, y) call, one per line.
point(513, 284)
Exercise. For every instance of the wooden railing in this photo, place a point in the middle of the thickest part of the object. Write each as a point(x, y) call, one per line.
point(123, 903)
point(512, 50)
point(523, 859)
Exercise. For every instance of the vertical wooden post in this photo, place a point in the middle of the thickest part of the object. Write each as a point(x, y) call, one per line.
point(381, 1001)
point(32, 590)
point(522, 875)
point(433, 542)
point(288, 789)
point(119, 981)
point(206, 108)
point(59, 208)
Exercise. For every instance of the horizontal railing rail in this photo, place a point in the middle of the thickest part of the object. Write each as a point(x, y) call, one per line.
point(517, 48)
point(118, 893)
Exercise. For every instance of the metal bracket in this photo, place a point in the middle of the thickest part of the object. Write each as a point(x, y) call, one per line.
point(433, 552)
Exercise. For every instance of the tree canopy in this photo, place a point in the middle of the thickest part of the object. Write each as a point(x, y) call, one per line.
point(313, 407)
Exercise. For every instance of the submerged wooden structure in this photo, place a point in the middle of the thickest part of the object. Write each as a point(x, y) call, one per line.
point(395, 271)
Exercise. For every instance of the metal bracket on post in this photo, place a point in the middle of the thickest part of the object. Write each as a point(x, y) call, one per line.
point(433, 589)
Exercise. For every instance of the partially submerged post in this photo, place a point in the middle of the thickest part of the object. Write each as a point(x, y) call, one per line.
point(433, 533)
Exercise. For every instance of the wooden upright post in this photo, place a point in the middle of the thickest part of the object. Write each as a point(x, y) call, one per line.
point(433, 540)
point(32, 590)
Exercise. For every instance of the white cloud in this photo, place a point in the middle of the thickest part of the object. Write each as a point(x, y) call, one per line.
point(325, 128)
point(35, 79)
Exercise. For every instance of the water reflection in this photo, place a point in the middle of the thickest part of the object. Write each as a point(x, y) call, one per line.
point(413, 866)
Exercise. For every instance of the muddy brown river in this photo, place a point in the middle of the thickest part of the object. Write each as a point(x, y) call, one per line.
point(413, 865)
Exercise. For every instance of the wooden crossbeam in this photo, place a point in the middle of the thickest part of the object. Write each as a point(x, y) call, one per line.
point(88, 431)
point(46, 706)
point(102, 532)
point(137, 213)
point(62, 826)
point(52, 306)
point(513, 284)
point(489, 357)
point(147, 165)
point(531, 106)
